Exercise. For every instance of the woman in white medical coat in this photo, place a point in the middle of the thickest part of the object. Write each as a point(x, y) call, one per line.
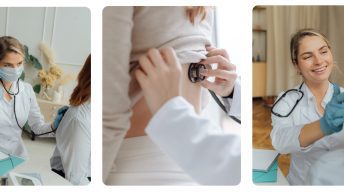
point(18, 103)
point(72, 155)
point(314, 127)
point(209, 157)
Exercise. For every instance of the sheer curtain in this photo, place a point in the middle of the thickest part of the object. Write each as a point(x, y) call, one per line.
point(332, 25)
point(282, 23)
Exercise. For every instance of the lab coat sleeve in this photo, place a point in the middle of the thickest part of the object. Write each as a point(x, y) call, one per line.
point(75, 150)
point(36, 119)
point(116, 79)
point(195, 144)
point(285, 133)
point(233, 105)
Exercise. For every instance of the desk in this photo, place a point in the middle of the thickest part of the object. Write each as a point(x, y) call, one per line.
point(281, 180)
point(39, 152)
point(48, 177)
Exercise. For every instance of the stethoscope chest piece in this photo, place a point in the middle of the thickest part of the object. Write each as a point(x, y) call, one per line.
point(194, 72)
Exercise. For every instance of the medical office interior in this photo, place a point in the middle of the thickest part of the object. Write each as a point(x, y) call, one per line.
point(58, 42)
point(274, 72)
point(139, 160)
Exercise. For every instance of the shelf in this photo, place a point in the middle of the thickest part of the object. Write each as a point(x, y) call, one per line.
point(258, 30)
point(259, 7)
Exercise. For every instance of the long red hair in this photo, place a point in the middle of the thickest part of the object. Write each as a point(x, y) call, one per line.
point(82, 92)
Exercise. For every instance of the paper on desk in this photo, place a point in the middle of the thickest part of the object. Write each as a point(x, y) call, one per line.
point(263, 159)
point(8, 162)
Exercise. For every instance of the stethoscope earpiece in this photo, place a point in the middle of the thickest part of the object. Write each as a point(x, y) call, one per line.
point(194, 72)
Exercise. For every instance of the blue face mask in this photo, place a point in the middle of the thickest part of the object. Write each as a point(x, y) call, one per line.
point(9, 74)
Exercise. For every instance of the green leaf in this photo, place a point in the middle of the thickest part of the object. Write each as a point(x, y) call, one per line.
point(37, 88)
point(27, 56)
point(35, 62)
point(22, 76)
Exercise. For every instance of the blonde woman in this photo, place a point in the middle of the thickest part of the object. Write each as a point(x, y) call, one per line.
point(308, 120)
point(18, 103)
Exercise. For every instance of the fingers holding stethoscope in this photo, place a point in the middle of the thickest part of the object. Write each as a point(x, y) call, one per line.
point(219, 56)
point(225, 74)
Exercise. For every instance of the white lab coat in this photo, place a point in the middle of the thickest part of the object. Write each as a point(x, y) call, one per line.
point(286, 131)
point(328, 169)
point(72, 153)
point(27, 109)
point(208, 155)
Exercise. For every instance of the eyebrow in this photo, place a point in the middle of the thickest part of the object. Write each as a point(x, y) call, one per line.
point(309, 52)
point(8, 63)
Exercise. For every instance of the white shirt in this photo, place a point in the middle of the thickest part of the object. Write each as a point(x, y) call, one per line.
point(27, 109)
point(286, 131)
point(202, 150)
point(72, 153)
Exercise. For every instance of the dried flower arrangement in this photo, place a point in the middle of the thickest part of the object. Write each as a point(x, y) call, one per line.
point(53, 77)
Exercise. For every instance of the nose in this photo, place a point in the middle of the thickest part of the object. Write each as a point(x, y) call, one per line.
point(318, 59)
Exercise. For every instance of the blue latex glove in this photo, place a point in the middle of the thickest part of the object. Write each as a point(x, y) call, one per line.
point(333, 118)
point(59, 116)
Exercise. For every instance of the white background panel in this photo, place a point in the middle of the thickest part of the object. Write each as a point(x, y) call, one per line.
point(26, 24)
point(72, 36)
point(2, 20)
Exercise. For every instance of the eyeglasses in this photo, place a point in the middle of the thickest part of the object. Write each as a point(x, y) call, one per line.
point(284, 108)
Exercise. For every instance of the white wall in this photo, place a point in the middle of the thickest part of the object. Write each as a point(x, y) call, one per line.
point(66, 30)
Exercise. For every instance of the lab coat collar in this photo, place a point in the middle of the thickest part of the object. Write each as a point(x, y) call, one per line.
point(311, 99)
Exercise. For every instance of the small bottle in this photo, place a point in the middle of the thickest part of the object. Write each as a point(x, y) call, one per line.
point(57, 97)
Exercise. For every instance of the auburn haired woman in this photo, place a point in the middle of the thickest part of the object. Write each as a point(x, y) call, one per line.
point(72, 155)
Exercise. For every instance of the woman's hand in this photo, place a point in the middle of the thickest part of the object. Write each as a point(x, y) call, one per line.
point(225, 74)
point(159, 77)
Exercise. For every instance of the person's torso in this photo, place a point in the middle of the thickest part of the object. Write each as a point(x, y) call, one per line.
point(10, 133)
point(305, 113)
point(82, 114)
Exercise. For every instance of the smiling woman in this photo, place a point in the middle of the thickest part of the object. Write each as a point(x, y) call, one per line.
point(316, 118)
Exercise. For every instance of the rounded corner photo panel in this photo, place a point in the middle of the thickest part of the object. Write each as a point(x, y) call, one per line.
point(298, 109)
point(172, 113)
point(45, 96)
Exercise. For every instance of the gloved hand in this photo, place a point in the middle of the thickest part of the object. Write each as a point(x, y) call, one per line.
point(333, 118)
point(59, 116)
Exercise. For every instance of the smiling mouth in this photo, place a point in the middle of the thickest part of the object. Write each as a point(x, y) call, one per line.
point(320, 69)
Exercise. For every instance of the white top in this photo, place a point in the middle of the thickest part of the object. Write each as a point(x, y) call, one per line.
point(141, 162)
point(27, 109)
point(197, 145)
point(129, 33)
point(328, 169)
point(73, 145)
point(286, 131)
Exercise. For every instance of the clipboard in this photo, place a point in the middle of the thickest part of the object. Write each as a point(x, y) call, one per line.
point(8, 162)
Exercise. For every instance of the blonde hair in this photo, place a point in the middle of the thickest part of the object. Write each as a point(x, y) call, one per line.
point(193, 11)
point(296, 39)
point(10, 44)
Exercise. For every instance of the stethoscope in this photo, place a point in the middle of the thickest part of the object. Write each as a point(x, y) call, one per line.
point(14, 108)
point(195, 76)
point(301, 94)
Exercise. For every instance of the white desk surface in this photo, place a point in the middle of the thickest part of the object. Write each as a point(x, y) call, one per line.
point(48, 177)
point(39, 152)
